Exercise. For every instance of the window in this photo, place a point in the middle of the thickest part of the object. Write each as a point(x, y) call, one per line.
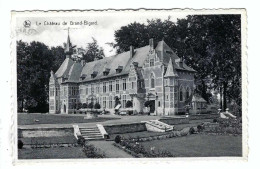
point(104, 102)
point(110, 102)
point(92, 88)
point(110, 86)
point(97, 88)
point(57, 105)
point(104, 87)
point(124, 84)
point(124, 101)
point(51, 92)
point(56, 91)
point(117, 86)
point(187, 93)
point(152, 81)
point(81, 91)
point(151, 62)
point(133, 85)
point(181, 94)
point(159, 104)
point(86, 90)
point(167, 97)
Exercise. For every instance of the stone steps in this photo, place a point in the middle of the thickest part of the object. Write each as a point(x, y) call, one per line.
point(91, 133)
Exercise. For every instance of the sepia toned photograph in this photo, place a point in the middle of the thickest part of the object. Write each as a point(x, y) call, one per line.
point(129, 84)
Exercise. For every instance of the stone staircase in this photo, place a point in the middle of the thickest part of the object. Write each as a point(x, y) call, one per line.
point(158, 126)
point(91, 133)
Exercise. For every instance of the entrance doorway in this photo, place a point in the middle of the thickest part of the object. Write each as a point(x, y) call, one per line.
point(152, 106)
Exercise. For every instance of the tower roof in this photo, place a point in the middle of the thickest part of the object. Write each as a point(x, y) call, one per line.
point(68, 47)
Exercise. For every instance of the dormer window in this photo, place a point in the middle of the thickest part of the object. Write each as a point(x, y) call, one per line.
point(106, 72)
point(83, 76)
point(151, 62)
point(168, 52)
point(119, 69)
point(94, 74)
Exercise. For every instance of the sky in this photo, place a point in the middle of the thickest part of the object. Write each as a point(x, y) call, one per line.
point(52, 30)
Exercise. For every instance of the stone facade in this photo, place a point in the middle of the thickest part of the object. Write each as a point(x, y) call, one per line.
point(151, 74)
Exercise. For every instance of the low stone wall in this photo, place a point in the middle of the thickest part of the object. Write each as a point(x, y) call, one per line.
point(45, 132)
point(173, 121)
point(125, 128)
point(203, 116)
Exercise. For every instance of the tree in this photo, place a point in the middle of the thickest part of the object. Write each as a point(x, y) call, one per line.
point(34, 64)
point(94, 52)
point(91, 105)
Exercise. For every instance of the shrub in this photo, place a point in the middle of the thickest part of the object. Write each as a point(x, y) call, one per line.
point(79, 106)
point(20, 144)
point(97, 106)
point(129, 104)
point(192, 130)
point(84, 105)
point(81, 141)
point(117, 139)
point(90, 105)
point(200, 128)
point(215, 120)
point(92, 152)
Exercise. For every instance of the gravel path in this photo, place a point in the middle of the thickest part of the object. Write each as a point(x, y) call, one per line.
point(110, 150)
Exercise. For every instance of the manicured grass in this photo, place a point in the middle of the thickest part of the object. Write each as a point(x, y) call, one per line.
point(29, 119)
point(199, 145)
point(51, 153)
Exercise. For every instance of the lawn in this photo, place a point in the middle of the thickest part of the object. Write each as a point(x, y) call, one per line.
point(199, 145)
point(51, 153)
point(30, 119)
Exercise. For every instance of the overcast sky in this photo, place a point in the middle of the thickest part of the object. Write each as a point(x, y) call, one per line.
point(105, 24)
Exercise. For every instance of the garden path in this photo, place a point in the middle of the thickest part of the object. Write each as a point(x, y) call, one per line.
point(110, 150)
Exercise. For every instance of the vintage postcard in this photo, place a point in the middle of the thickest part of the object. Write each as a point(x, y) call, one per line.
point(165, 84)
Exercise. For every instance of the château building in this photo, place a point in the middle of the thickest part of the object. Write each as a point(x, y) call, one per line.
point(154, 74)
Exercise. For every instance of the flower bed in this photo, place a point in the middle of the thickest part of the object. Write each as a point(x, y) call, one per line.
point(224, 126)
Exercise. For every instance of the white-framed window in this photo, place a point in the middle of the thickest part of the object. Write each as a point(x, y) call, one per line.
point(117, 86)
point(133, 85)
point(104, 87)
point(124, 84)
point(110, 86)
point(92, 88)
point(97, 88)
point(86, 89)
point(110, 102)
point(104, 102)
point(152, 81)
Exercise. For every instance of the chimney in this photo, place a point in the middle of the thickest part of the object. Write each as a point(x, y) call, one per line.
point(151, 43)
point(131, 51)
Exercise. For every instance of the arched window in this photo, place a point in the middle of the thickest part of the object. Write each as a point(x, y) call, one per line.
point(181, 93)
point(152, 81)
point(188, 93)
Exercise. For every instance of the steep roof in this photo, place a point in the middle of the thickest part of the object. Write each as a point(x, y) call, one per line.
point(74, 70)
point(170, 72)
point(74, 73)
point(165, 53)
point(64, 69)
point(112, 63)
